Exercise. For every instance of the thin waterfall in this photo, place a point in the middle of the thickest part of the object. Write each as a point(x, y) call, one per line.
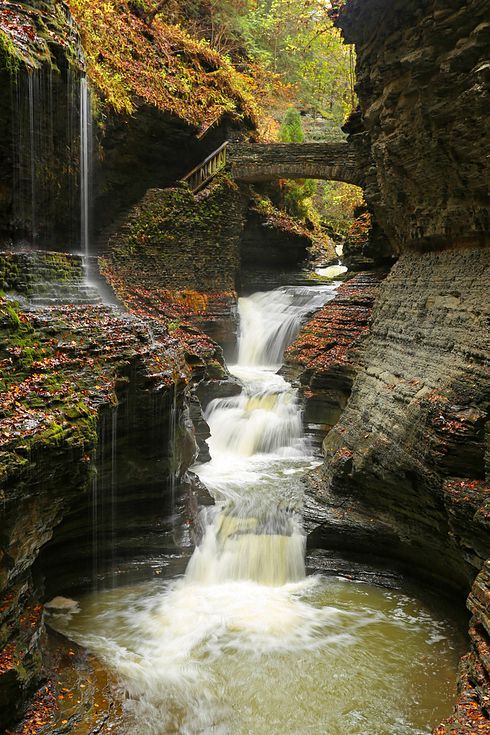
point(45, 152)
point(113, 512)
point(33, 88)
point(95, 523)
point(85, 167)
point(26, 100)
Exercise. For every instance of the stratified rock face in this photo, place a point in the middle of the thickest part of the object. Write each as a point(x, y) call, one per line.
point(93, 421)
point(409, 450)
point(268, 248)
point(422, 83)
point(46, 278)
point(324, 358)
point(418, 410)
point(471, 711)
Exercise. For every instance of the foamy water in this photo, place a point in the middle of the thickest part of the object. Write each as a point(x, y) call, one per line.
point(245, 642)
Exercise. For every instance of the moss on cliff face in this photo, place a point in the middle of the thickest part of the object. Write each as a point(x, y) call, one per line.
point(176, 259)
point(69, 374)
point(182, 241)
point(31, 31)
point(129, 60)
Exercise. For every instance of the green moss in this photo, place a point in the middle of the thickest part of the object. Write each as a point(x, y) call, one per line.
point(9, 59)
point(62, 267)
point(173, 217)
point(29, 32)
point(84, 431)
point(53, 435)
point(13, 319)
point(77, 410)
point(10, 273)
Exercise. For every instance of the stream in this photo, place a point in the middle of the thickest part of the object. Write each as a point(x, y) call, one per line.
point(245, 642)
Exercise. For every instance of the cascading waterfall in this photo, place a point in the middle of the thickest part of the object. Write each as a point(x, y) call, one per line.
point(270, 321)
point(245, 642)
point(255, 532)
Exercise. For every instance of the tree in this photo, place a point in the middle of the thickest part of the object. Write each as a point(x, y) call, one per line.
point(291, 129)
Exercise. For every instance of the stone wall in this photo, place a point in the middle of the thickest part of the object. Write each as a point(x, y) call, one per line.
point(175, 240)
point(179, 246)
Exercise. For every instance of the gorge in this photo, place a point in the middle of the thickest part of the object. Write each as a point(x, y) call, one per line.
point(236, 496)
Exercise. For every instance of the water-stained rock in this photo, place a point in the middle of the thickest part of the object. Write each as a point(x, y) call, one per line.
point(324, 358)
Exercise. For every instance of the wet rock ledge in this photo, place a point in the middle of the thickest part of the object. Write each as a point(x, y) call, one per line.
point(325, 357)
point(93, 417)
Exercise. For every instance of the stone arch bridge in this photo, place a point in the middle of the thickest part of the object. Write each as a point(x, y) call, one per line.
point(257, 162)
point(269, 161)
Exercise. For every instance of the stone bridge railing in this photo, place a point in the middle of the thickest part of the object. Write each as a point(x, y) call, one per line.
point(269, 161)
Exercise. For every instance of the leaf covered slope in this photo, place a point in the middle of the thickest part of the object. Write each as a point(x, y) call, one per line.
point(130, 60)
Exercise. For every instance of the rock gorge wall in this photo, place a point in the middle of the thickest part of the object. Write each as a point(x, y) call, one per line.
point(422, 83)
point(417, 416)
point(325, 357)
point(407, 462)
point(94, 419)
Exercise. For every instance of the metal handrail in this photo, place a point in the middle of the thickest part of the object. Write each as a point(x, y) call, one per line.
point(205, 171)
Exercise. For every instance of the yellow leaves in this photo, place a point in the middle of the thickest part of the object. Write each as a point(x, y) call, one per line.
point(160, 64)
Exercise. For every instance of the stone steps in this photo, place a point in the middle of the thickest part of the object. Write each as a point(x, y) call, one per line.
point(48, 279)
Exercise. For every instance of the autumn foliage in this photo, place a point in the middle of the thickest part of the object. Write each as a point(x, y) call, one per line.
point(130, 60)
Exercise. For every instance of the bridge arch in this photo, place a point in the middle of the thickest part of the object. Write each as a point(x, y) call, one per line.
point(253, 163)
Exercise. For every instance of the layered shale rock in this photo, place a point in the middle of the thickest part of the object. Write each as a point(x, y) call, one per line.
point(275, 245)
point(93, 418)
point(406, 465)
point(324, 358)
point(418, 409)
point(406, 459)
point(422, 83)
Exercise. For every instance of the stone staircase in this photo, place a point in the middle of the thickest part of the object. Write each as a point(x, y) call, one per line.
point(47, 278)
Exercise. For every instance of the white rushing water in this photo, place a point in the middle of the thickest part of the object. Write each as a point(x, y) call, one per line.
point(270, 321)
point(257, 447)
point(245, 642)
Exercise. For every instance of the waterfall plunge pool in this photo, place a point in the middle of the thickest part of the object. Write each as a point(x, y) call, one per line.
point(317, 656)
point(245, 642)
